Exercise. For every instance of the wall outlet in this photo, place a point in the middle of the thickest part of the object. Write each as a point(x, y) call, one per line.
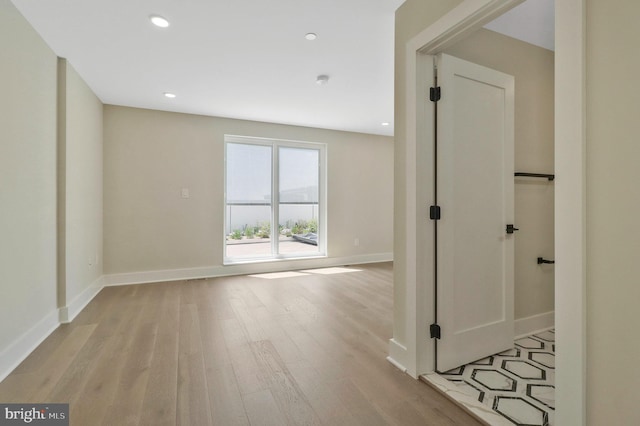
point(356, 242)
point(185, 192)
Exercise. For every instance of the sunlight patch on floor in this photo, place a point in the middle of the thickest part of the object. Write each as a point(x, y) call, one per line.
point(276, 275)
point(329, 271)
point(294, 274)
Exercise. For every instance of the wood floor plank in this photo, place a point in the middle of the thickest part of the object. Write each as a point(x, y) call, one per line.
point(276, 334)
point(227, 406)
point(68, 388)
point(125, 407)
point(217, 297)
point(250, 377)
point(224, 394)
point(320, 393)
point(316, 355)
point(43, 352)
point(16, 387)
point(262, 409)
point(100, 387)
point(267, 298)
point(160, 398)
point(360, 407)
point(34, 379)
point(54, 366)
point(193, 394)
point(284, 388)
point(251, 328)
point(309, 349)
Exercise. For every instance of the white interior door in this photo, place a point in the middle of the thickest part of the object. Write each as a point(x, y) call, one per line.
point(475, 118)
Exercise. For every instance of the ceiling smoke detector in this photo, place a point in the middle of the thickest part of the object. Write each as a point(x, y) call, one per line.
point(322, 80)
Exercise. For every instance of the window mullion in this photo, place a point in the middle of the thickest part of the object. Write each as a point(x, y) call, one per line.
point(275, 202)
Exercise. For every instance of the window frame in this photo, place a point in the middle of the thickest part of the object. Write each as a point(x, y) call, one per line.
point(275, 144)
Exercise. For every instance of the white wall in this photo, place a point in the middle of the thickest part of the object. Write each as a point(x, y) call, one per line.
point(80, 196)
point(50, 190)
point(151, 155)
point(613, 209)
point(27, 188)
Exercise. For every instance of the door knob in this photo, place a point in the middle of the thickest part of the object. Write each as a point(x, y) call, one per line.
point(511, 229)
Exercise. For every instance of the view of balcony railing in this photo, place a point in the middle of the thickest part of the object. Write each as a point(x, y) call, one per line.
point(248, 228)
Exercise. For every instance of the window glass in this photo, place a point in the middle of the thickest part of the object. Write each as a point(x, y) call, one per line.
point(299, 187)
point(274, 205)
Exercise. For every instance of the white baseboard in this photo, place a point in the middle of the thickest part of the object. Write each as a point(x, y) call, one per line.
point(20, 348)
point(69, 312)
point(397, 355)
point(279, 265)
point(534, 324)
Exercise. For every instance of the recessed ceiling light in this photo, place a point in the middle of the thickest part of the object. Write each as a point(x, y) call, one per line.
point(159, 21)
point(169, 95)
point(311, 36)
point(322, 79)
point(386, 123)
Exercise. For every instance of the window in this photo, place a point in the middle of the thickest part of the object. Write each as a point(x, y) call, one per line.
point(274, 199)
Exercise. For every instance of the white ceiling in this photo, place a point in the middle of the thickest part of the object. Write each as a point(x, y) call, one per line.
point(244, 59)
point(532, 21)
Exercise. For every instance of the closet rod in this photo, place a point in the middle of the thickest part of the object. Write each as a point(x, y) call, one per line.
point(540, 175)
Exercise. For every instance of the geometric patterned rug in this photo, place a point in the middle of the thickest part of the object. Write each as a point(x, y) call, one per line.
point(518, 384)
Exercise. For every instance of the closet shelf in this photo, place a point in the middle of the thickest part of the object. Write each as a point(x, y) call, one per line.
point(536, 175)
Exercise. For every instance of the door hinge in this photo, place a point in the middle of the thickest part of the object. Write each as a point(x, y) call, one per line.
point(434, 94)
point(434, 330)
point(511, 229)
point(434, 213)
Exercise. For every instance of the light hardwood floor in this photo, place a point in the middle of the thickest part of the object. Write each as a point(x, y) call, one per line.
point(304, 350)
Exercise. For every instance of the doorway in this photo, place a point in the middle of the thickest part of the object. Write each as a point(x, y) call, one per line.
point(477, 353)
point(407, 348)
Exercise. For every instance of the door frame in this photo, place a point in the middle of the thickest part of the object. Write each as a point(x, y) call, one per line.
point(418, 356)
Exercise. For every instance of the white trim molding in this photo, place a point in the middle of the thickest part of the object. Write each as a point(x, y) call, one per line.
point(20, 348)
point(397, 355)
point(570, 213)
point(69, 312)
point(278, 265)
point(533, 324)
point(459, 23)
